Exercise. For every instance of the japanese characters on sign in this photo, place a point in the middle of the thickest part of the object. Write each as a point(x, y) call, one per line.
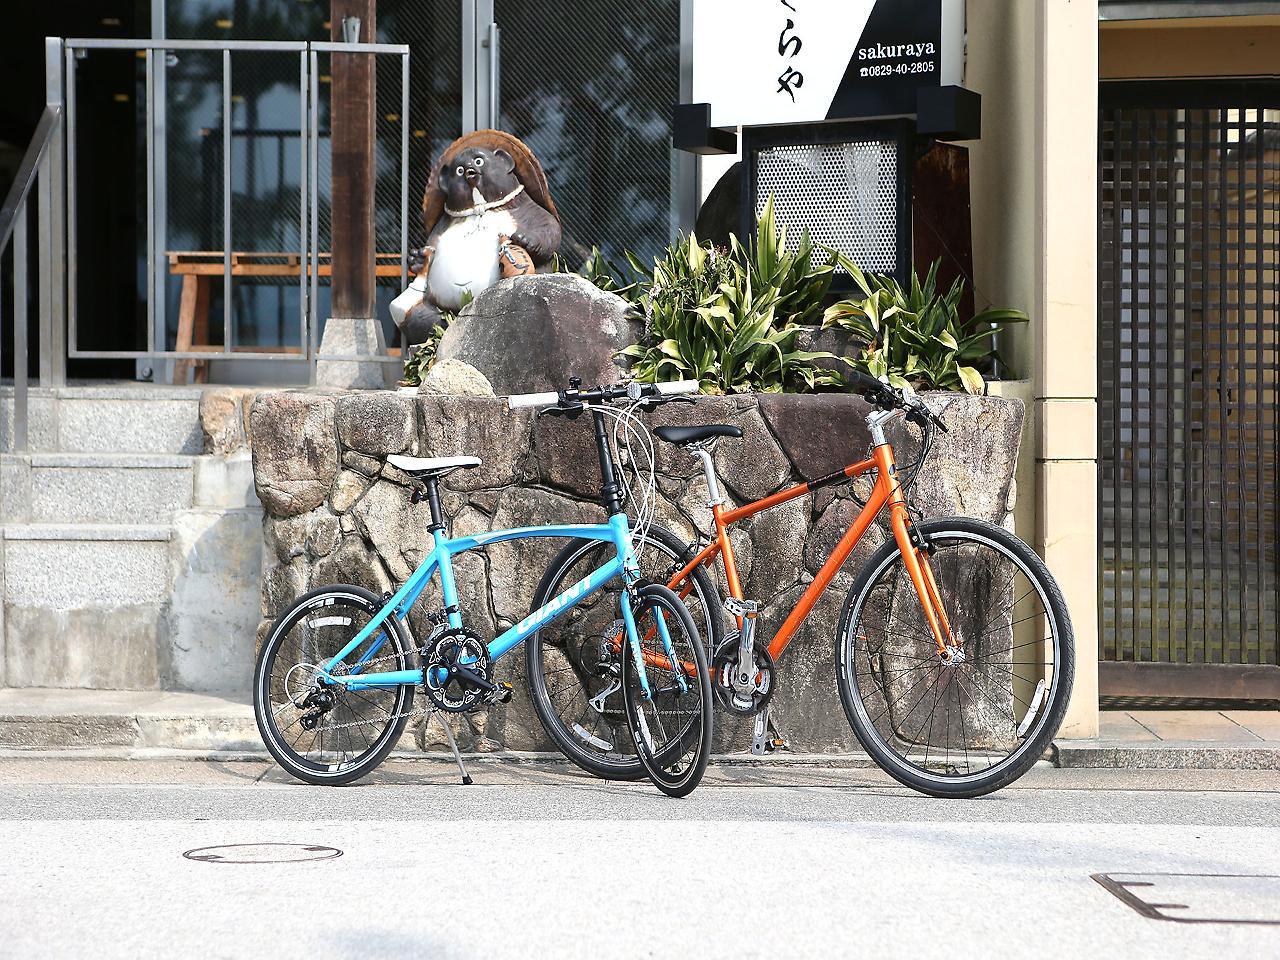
point(761, 62)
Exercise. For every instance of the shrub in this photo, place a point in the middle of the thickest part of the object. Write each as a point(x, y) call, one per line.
point(728, 318)
point(916, 336)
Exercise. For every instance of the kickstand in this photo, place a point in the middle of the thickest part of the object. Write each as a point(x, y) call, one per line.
point(453, 745)
point(767, 737)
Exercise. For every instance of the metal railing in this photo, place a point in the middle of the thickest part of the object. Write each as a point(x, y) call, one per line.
point(48, 169)
point(309, 81)
point(41, 170)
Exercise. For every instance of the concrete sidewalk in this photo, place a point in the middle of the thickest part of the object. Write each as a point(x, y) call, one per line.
point(1178, 739)
point(122, 724)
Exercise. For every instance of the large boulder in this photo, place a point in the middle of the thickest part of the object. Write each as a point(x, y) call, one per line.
point(531, 334)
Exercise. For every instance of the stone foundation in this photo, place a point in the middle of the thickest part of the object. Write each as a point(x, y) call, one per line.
point(334, 511)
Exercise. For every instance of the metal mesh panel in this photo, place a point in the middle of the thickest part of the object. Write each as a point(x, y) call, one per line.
point(844, 194)
point(1189, 339)
point(590, 92)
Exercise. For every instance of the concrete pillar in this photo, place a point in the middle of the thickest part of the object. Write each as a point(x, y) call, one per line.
point(1066, 326)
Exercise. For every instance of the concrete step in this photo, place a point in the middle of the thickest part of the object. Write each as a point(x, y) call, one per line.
point(1168, 754)
point(83, 604)
point(95, 488)
point(35, 719)
point(107, 418)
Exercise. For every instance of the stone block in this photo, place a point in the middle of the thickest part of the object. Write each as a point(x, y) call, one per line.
point(350, 339)
point(104, 647)
point(59, 572)
point(109, 488)
point(15, 489)
point(223, 419)
point(224, 483)
point(375, 423)
point(89, 424)
point(295, 450)
point(213, 610)
point(474, 426)
point(531, 334)
point(42, 427)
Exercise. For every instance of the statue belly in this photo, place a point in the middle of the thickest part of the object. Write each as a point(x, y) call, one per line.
point(466, 258)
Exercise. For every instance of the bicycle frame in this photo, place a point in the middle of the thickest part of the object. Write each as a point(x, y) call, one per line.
point(616, 532)
point(887, 490)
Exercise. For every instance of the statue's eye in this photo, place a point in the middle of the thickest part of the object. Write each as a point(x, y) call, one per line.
point(458, 171)
point(479, 162)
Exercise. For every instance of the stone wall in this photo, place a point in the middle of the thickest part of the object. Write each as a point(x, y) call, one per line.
point(334, 511)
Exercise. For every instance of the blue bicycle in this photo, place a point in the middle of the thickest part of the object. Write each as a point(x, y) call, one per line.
point(336, 678)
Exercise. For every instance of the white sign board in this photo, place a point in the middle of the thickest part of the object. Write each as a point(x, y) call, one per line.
point(759, 62)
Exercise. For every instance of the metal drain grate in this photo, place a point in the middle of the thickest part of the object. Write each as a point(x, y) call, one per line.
point(1198, 897)
point(263, 853)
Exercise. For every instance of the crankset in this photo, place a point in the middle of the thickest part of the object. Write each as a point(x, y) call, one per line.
point(457, 674)
point(744, 690)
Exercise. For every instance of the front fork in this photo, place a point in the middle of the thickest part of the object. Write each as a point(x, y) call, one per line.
point(915, 556)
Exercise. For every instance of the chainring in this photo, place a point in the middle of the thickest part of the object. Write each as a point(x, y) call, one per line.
point(455, 648)
point(730, 697)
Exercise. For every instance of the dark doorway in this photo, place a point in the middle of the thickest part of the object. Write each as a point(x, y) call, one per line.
point(1189, 380)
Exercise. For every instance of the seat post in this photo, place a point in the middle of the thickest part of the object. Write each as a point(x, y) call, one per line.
point(610, 492)
point(714, 497)
point(433, 502)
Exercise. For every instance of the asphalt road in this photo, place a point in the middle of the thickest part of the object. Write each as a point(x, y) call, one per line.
point(537, 861)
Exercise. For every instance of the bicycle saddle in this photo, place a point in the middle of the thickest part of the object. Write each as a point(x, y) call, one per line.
point(431, 466)
point(683, 435)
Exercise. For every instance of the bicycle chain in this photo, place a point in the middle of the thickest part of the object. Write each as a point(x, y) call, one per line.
point(391, 717)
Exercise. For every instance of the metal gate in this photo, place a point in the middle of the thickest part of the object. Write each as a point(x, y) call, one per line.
point(1189, 379)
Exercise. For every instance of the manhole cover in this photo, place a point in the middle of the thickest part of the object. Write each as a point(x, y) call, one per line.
point(263, 853)
point(1198, 897)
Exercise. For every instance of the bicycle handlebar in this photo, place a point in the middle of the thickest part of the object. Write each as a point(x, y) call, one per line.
point(886, 397)
point(575, 396)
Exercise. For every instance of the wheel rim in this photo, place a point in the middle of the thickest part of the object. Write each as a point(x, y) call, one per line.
point(575, 669)
point(965, 721)
point(356, 724)
point(671, 723)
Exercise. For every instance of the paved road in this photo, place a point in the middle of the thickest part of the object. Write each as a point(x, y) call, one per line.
point(536, 861)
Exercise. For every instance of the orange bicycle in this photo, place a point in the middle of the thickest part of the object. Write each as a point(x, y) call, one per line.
point(954, 649)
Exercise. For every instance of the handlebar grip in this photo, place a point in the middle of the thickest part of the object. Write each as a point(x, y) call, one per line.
point(518, 400)
point(678, 387)
point(867, 382)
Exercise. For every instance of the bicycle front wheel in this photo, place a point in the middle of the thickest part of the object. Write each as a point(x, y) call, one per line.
point(671, 724)
point(574, 664)
point(966, 723)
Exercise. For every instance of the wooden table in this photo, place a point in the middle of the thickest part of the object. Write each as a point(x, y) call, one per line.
point(200, 268)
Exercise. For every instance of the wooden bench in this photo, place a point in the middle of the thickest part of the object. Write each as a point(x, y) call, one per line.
point(200, 268)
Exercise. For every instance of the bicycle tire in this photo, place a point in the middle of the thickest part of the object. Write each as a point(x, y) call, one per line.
point(568, 741)
point(294, 763)
point(667, 763)
point(1050, 711)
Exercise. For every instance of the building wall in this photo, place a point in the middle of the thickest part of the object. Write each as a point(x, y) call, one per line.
point(1034, 201)
point(1191, 47)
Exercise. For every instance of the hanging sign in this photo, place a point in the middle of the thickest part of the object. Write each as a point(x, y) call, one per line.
point(759, 62)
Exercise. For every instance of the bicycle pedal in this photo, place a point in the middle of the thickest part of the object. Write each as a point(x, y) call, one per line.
point(501, 693)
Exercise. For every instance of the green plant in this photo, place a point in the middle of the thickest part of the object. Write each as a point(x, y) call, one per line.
point(916, 336)
point(730, 318)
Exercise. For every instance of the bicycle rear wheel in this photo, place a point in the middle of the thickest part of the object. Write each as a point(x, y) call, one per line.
point(324, 733)
point(957, 726)
point(671, 727)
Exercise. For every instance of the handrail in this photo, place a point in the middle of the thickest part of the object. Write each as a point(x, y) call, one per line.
point(28, 171)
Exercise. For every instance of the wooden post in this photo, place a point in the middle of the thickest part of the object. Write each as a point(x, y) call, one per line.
point(351, 110)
